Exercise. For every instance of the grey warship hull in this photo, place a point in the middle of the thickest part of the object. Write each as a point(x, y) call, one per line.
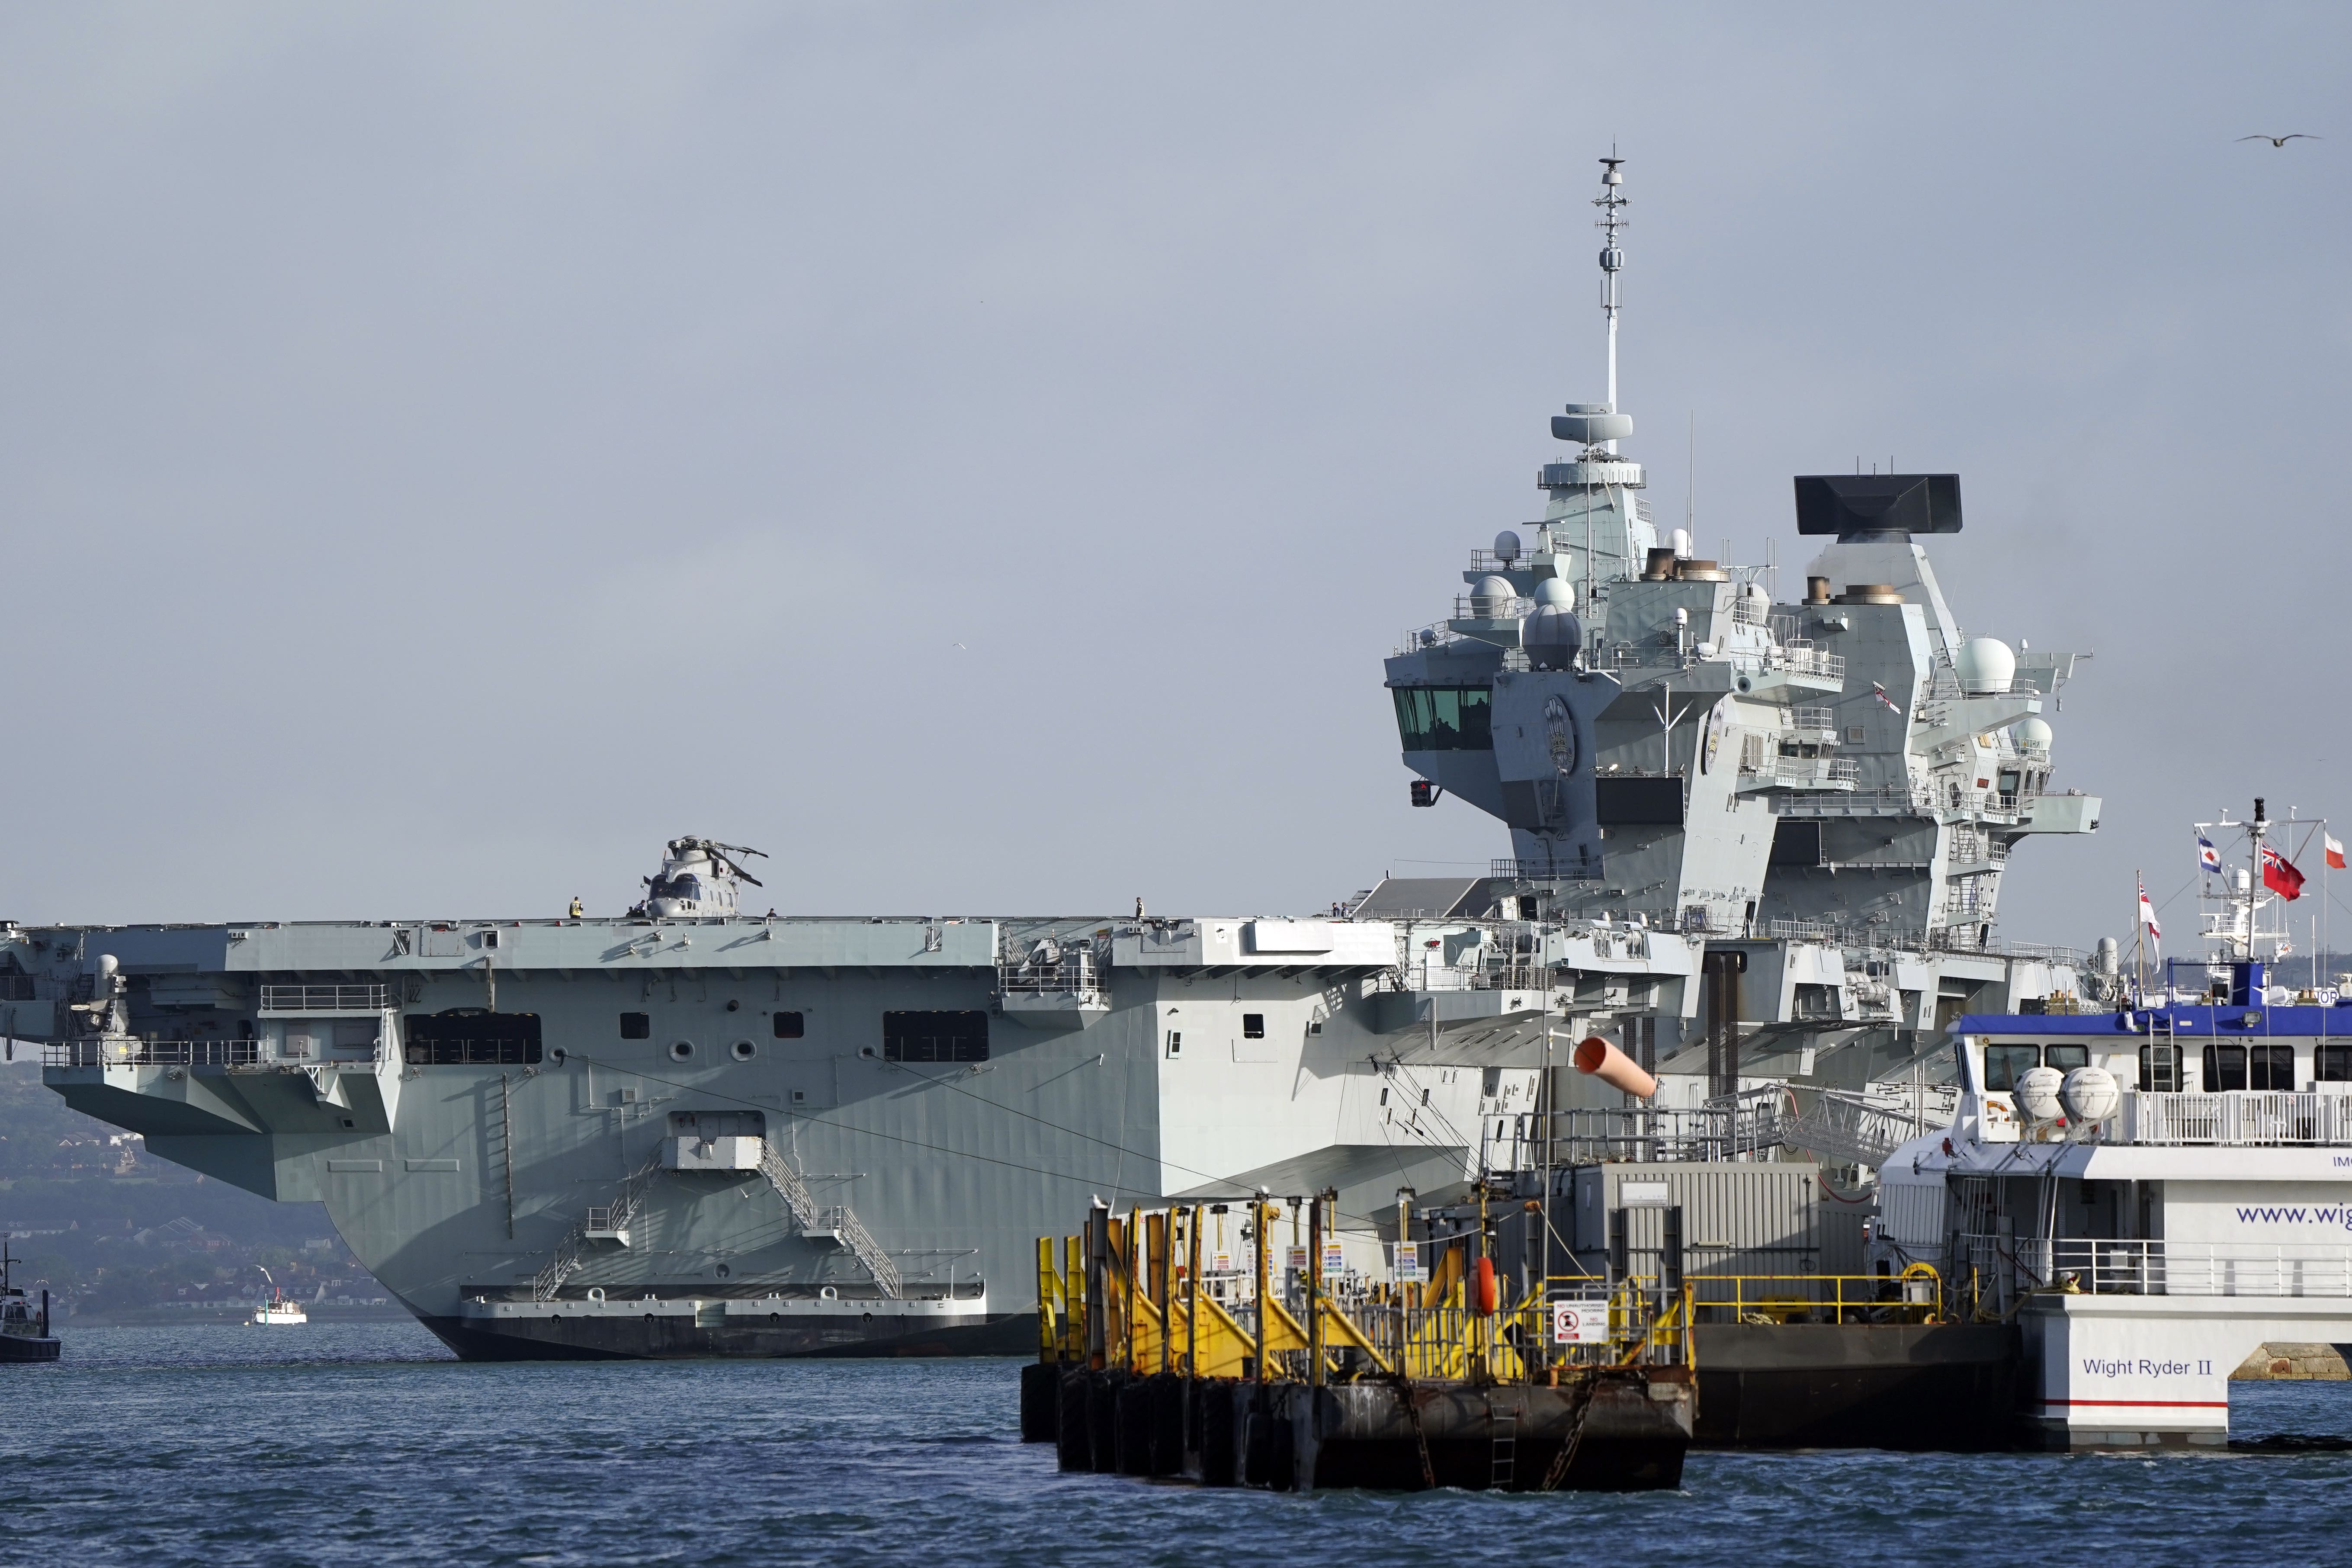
point(725, 1135)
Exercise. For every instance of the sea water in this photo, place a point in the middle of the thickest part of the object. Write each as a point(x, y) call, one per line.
point(367, 1443)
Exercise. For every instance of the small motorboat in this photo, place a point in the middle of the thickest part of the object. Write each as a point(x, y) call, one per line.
point(24, 1332)
point(278, 1309)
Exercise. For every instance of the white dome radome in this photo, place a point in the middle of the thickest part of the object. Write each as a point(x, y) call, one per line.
point(1552, 591)
point(1552, 637)
point(2031, 735)
point(1986, 666)
point(1507, 546)
point(1681, 539)
point(1491, 597)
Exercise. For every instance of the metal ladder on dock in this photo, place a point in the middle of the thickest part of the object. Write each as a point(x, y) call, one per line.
point(835, 1221)
point(1502, 1448)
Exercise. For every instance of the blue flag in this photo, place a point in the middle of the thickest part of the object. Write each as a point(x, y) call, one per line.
point(2207, 857)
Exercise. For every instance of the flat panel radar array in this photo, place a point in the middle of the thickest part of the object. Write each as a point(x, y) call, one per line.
point(1878, 506)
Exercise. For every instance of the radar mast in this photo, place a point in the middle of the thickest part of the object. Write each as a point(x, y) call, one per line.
point(1612, 202)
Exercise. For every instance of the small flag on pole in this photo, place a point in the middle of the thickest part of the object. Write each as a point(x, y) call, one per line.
point(2147, 918)
point(1892, 707)
point(2280, 875)
point(2207, 857)
point(2334, 851)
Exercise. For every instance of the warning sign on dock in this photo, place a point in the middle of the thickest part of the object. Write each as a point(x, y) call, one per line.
point(1580, 1322)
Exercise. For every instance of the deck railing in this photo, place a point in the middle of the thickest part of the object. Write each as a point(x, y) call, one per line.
point(120, 1053)
point(2235, 1120)
point(324, 998)
point(2140, 1268)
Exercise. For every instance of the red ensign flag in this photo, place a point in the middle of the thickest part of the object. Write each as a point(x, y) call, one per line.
point(2280, 875)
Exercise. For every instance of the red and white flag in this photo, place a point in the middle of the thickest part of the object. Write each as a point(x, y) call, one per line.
point(2334, 851)
point(2147, 918)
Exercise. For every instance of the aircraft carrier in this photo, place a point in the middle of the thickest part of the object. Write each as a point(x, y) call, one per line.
point(1759, 844)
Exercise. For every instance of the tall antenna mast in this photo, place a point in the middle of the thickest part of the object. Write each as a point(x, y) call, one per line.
point(1612, 261)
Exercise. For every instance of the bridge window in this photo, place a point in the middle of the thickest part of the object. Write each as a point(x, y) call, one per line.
point(472, 1037)
point(636, 1027)
point(2065, 1059)
point(2225, 1068)
point(934, 1037)
point(2271, 1066)
point(2159, 1069)
point(2334, 1064)
point(1445, 718)
point(1252, 1026)
point(2004, 1065)
point(789, 1026)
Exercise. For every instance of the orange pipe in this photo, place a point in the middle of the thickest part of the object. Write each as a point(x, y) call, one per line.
point(1614, 1068)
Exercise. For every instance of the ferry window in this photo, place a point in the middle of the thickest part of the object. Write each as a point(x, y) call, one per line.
point(636, 1027)
point(1252, 1026)
point(472, 1037)
point(1445, 718)
point(934, 1037)
point(2159, 1069)
point(2005, 1063)
point(2225, 1068)
point(788, 1026)
point(2334, 1064)
point(2065, 1059)
point(2271, 1066)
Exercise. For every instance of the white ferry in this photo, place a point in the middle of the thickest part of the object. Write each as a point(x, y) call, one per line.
point(2150, 1194)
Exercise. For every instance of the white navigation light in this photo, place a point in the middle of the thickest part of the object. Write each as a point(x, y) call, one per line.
point(1506, 547)
point(1985, 667)
point(1490, 598)
point(2091, 1094)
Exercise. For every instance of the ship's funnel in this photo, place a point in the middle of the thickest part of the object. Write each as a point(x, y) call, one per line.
point(1866, 506)
point(1614, 1068)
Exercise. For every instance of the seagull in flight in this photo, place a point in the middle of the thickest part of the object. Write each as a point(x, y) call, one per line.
point(2282, 141)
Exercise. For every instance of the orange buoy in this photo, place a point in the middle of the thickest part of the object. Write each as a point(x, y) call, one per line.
point(1485, 1298)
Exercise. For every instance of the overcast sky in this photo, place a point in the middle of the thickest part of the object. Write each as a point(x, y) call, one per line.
point(981, 455)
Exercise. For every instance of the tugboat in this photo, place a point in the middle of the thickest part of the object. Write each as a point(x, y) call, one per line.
point(24, 1333)
point(278, 1309)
